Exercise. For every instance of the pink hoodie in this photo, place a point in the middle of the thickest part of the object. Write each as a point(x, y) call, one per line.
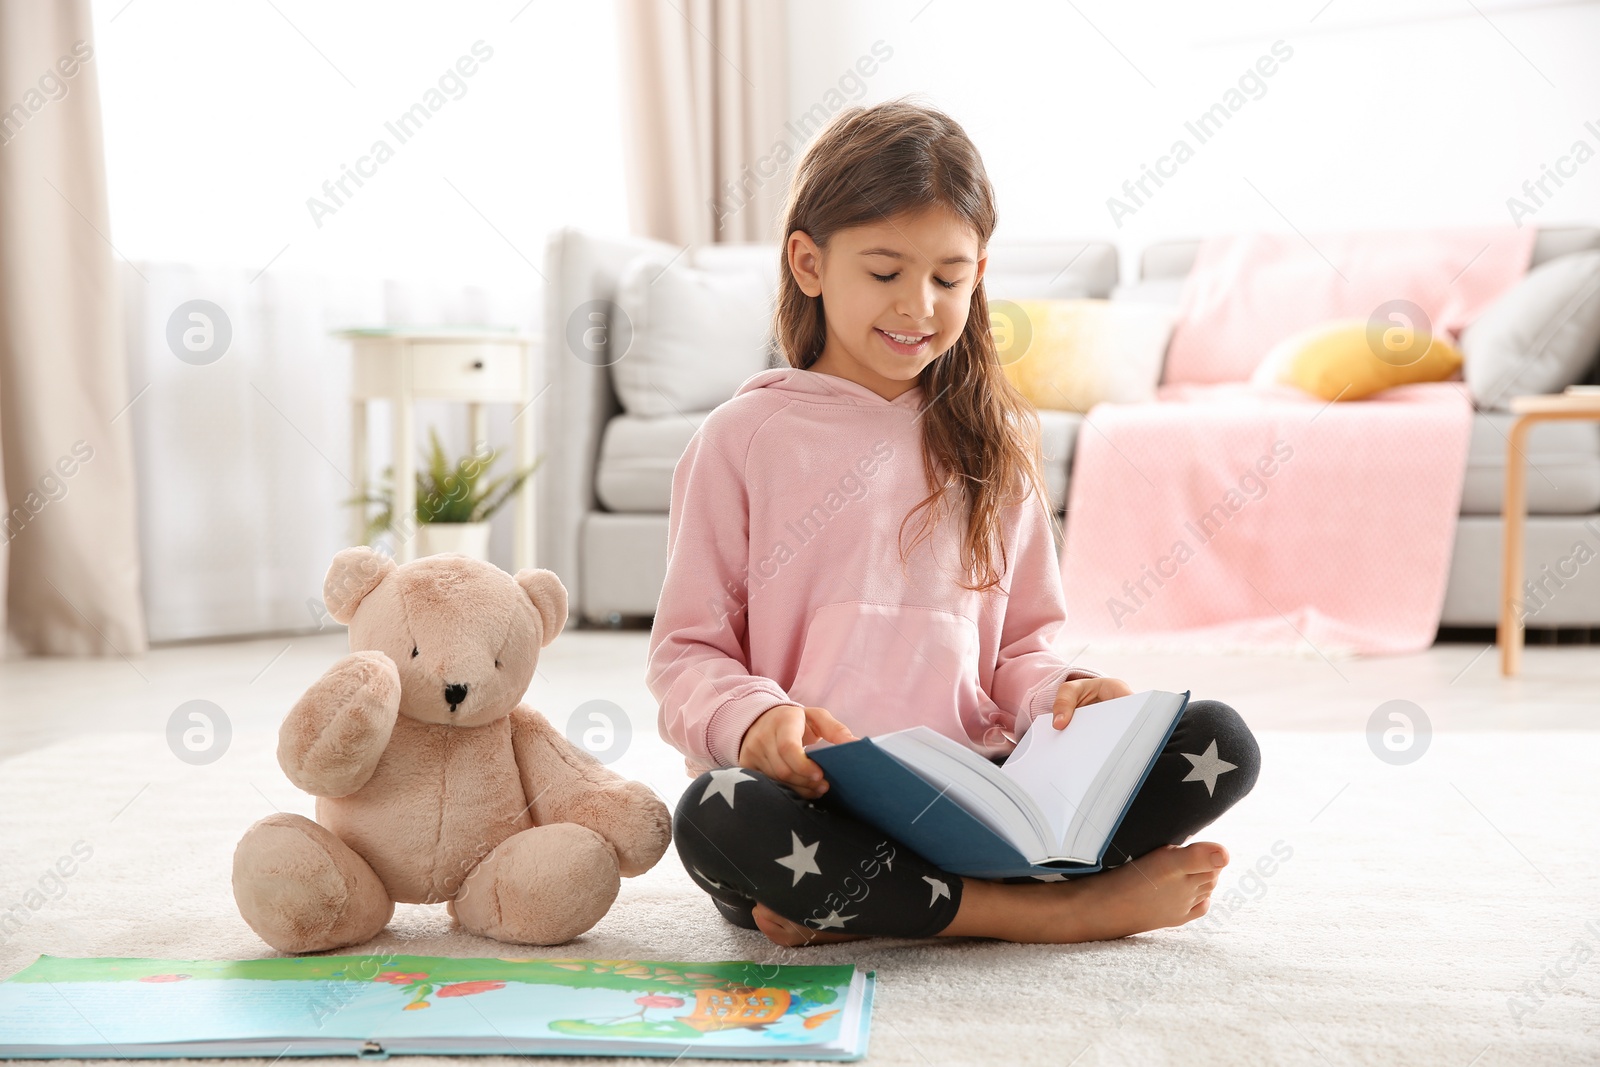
point(784, 583)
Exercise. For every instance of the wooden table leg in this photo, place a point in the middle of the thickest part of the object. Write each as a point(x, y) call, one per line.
point(1513, 518)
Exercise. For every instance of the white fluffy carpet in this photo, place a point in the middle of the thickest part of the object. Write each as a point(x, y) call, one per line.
point(1443, 912)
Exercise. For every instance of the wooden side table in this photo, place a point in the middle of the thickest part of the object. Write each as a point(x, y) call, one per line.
point(1529, 411)
point(475, 365)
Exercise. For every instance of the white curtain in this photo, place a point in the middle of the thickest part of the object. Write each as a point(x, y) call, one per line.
point(705, 89)
point(243, 463)
point(69, 563)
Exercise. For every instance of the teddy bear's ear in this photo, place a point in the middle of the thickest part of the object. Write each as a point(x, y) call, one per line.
point(549, 598)
point(355, 573)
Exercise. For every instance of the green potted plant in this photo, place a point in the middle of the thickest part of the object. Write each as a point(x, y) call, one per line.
point(454, 501)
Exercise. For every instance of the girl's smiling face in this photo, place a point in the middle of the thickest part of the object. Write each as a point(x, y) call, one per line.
point(895, 294)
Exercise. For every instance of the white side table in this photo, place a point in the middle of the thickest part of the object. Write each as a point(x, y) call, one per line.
point(475, 365)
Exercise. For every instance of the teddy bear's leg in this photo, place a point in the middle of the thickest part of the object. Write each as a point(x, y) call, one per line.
point(302, 889)
point(542, 886)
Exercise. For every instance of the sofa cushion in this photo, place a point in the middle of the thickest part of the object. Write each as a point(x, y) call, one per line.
point(696, 334)
point(1562, 466)
point(637, 458)
point(1069, 355)
point(1350, 359)
point(1049, 270)
point(1540, 337)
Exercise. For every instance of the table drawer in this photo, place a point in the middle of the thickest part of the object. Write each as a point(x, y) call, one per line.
point(467, 369)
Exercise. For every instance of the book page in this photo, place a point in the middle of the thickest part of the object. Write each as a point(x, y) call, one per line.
point(1056, 767)
point(335, 1003)
point(977, 784)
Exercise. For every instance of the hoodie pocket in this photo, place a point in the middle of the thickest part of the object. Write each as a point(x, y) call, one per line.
point(879, 667)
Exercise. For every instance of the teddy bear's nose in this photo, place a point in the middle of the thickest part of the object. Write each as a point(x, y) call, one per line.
point(454, 694)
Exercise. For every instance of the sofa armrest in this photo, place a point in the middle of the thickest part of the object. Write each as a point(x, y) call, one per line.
point(575, 398)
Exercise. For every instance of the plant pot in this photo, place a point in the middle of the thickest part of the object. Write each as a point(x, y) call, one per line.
point(467, 538)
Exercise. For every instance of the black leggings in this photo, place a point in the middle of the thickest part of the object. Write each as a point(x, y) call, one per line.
point(744, 837)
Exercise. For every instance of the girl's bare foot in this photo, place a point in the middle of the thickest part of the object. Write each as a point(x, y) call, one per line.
point(1167, 887)
point(789, 934)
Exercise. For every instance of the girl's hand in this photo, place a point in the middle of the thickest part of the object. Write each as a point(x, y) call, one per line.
point(1080, 691)
point(774, 744)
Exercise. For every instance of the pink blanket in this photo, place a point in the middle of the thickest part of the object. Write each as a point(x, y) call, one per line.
point(1231, 518)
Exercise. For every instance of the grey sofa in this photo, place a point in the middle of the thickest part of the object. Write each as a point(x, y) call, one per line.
point(605, 483)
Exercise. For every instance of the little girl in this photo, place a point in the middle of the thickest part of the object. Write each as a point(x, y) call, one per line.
point(793, 613)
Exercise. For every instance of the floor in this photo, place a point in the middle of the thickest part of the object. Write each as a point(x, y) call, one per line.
point(1436, 911)
point(1456, 685)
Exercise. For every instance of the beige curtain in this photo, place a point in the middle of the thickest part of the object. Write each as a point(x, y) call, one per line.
point(69, 559)
point(705, 89)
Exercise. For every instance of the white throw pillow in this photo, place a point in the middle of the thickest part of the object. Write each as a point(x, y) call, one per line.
point(1540, 337)
point(691, 336)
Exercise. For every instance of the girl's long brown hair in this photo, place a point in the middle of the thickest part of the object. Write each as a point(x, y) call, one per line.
point(874, 163)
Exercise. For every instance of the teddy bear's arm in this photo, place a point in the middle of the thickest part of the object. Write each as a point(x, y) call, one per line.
point(563, 783)
point(331, 740)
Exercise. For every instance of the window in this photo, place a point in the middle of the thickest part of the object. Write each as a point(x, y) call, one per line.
point(420, 140)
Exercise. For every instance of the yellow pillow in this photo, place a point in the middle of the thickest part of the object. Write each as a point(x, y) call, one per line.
point(1070, 355)
point(1352, 359)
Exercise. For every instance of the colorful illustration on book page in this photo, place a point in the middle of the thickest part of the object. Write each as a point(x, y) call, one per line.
point(437, 997)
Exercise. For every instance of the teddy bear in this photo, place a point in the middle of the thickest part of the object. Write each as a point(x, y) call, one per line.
point(434, 781)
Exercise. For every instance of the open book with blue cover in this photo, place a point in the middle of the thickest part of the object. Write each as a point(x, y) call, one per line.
point(373, 1006)
point(1052, 807)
